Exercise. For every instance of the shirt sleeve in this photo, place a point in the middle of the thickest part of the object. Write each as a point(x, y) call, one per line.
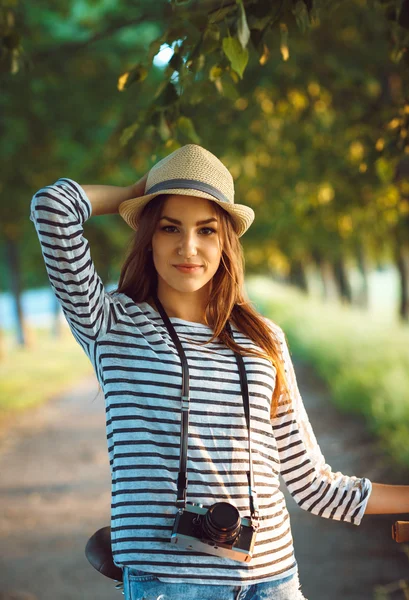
point(58, 212)
point(310, 481)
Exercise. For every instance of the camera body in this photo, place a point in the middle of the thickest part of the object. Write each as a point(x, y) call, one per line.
point(218, 530)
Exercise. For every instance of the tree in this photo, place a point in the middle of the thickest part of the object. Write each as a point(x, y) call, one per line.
point(310, 118)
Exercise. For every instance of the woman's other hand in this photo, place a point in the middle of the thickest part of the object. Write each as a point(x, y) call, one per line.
point(105, 199)
point(139, 186)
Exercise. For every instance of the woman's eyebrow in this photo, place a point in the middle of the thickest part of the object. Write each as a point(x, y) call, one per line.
point(212, 219)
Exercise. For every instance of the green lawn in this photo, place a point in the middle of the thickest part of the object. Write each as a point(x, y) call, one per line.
point(46, 367)
point(363, 357)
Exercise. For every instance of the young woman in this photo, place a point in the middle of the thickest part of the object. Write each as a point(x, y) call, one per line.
point(166, 348)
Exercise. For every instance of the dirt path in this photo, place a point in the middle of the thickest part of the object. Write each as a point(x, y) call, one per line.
point(55, 492)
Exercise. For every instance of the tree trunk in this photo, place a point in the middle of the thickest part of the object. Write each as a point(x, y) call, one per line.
point(56, 323)
point(330, 291)
point(403, 267)
point(341, 278)
point(297, 275)
point(13, 264)
point(363, 295)
point(329, 287)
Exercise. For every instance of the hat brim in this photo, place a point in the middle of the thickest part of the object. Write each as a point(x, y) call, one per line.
point(242, 215)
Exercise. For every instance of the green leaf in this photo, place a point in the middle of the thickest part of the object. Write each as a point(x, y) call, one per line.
point(285, 53)
point(384, 170)
point(135, 75)
point(302, 17)
point(163, 129)
point(166, 94)
point(199, 63)
point(154, 48)
point(195, 60)
point(199, 92)
point(211, 39)
point(220, 14)
point(228, 89)
point(185, 126)
point(215, 72)
point(259, 23)
point(210, 45)
point(176, 62)
point(243, 31)
point(237, 55)
point(128, 133)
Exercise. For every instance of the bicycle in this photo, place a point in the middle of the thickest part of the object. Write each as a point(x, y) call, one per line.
point(400, 533)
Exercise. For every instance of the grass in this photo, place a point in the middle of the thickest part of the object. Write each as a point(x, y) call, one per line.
point(363, 357)
point(44, 368)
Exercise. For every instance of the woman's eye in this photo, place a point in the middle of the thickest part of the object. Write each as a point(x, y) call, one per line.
point(203, 229)
point(168, 227)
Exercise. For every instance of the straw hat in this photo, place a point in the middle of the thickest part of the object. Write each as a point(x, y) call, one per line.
point(190, 171)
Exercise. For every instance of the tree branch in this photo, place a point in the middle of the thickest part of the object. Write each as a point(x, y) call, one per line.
point(72, 47)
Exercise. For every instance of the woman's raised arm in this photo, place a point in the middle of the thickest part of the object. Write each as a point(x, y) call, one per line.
point(105, 199)
point(59, 212)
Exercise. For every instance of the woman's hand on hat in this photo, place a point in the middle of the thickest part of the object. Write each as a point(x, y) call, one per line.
point(106, 199)
point(139, 186)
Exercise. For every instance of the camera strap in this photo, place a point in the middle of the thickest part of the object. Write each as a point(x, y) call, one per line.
point(182, 477)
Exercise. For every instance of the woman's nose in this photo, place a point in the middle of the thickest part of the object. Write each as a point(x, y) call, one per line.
point(187, 246)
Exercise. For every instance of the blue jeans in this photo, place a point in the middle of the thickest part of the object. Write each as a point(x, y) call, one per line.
point(144, 586)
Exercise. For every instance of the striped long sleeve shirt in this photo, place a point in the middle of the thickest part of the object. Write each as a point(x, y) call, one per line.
point(139, 370)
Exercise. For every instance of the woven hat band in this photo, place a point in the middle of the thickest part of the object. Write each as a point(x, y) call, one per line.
point(188, 184)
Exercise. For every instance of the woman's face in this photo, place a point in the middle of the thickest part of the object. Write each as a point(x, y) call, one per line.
point(179, 239)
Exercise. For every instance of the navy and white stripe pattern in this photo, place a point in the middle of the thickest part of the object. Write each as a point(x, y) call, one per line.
point(139, 370)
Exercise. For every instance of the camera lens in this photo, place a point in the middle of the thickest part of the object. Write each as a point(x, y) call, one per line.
point(222, 523)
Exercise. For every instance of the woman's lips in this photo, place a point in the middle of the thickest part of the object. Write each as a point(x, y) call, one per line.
point(188, 269)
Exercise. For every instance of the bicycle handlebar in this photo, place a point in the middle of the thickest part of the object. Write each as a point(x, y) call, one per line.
point(400, 531)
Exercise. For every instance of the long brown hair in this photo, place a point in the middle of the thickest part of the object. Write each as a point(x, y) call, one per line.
point(138, 279)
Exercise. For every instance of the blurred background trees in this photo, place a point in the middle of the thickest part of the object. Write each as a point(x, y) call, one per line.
point(306, 102)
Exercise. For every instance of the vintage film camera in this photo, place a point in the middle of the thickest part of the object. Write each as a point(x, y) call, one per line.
point(218, 530)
